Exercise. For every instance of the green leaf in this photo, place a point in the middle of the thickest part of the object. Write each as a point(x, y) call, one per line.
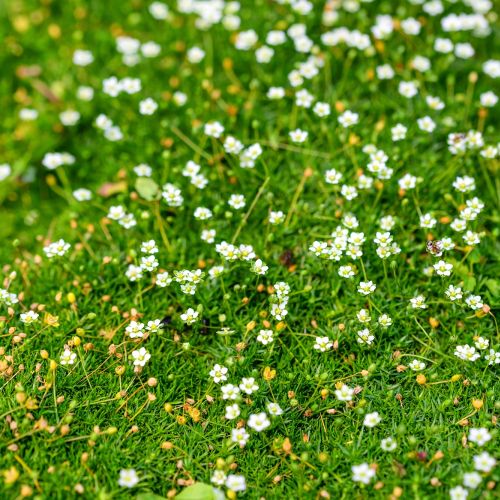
point(469, 283)
point(493, 287)
point(147, 188)
point(149, 496)
point(197, 491)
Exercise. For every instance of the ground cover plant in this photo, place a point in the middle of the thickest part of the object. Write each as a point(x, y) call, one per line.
point(249, 249)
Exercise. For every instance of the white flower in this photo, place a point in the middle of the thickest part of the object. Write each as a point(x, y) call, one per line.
point(134, 273)
point(427, 221)
point(417, 365)
point(384, 72)
point(258, 267)
point(398, 132)
point(481, 343)
point(365, 337)
point(426, 124)
point(480, 436)
point(466, 353)
point(82, 194)
point(135, 330)
point(56, 249)
point(147, 106)
point(195, 55)
point(232, 411)
point(458, 493)
point(28, 114)
point(82, 57)
point(453, 292)
point(218, 373)
point(484, 462)
point(275, 93)
point(258, 422)
point(323, 344)
point(345, 393)
point(488, 99)
point(472, 479)
point(154, 326)
point(265, 337)
point(346, 271)
point(128, 478)
point(366, 287)
point(240, 436)
point(158, 10)
point(232, 145)
point(349, 192)
point(245, 40)
point(363, 316)
point(218, 477)
point(69, 117)
point(230, 391)
point(67, 357)
point(213, 129)
point(236, 201)
point(407, 182)
point(190, 316)
point(443, 268)
point(384, 321)
point(298, 135)
point(276, 217)
point(492, 357)
point(418, 302)
point(348, 119)
point(321, 109)
point(372, 419)
point(274, 409)
point(150, 49)
point(235, 482)
point(163, 279)
point(362, 473)
point(408, 89)
point(29, 317)
point(388, 444)
point(248, 385)
point(140, 356)
point(5, 171)
point(474, 302)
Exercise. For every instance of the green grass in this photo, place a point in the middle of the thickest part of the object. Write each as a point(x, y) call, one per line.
point(67, 431)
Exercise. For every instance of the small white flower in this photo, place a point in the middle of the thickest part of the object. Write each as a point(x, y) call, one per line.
point(366, 287)
point(348, 119)
point(274, 409)
point(67, 357)
point(140, 356)
point(147, 106)
point(29, 317)
point(362, 473)
point(388, 444)
point(345, 393)
point(417, 365)
point(372, 419)
point(323, 344)
point(248, 385)
point(443, 268)
point(258, 422)
point(480, 436)
point(235, 482)
point(240, 436)
point(298, 135)
point(218, 373)
point(190, 316)
point(128, 478)
point(232, 411)
point(484, 462)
